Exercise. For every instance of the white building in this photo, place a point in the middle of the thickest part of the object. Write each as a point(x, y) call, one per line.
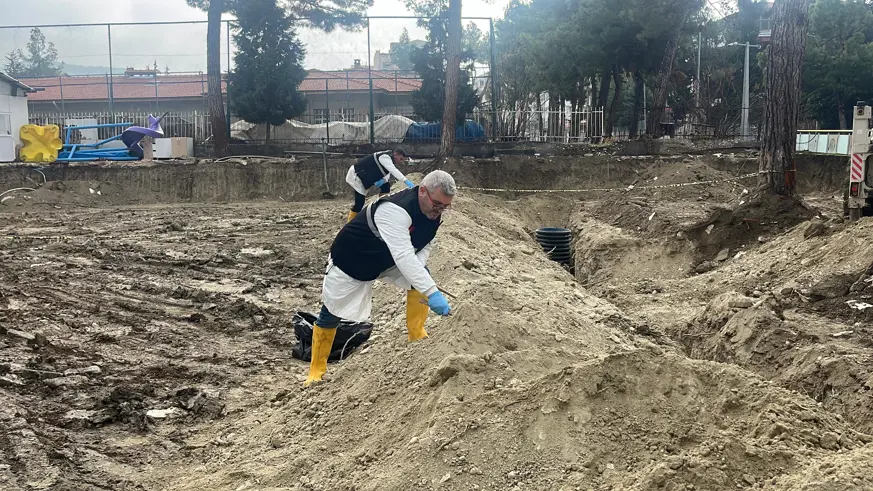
point(13, 115)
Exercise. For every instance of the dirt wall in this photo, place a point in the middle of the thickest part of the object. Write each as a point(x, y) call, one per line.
point(203, 181)
point(245, 179)
point(559, 172)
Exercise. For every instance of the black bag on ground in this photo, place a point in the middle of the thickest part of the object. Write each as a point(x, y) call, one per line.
point(349, 335)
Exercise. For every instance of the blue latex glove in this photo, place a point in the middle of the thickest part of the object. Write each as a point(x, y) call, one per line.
point(409, 184)
point(438, 303)
point(379, 183)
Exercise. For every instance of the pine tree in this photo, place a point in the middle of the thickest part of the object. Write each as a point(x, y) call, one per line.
point(401, 51)
point(784, 83)
point(429, 63)
point(264, 84)
point(453, 79)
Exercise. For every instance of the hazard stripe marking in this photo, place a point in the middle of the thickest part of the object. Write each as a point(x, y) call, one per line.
point(857, 170)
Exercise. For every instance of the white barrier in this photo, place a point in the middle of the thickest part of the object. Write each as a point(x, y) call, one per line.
point(835, 142)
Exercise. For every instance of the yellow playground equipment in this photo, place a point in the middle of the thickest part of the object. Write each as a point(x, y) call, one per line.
point(40, 143)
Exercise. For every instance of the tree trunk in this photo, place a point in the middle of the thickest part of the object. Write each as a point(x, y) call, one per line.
point(616, 100)
point(553, 116)
point(638, 105)
point(662, 82)
point(594, 90)
point(574, 118)
point(782, 107)
point(453, 79)
point(269, 127)
point(603, 97)
point(213, 78)
point(842, 115)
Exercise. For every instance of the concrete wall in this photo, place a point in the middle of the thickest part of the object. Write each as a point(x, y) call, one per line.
point(16, 106)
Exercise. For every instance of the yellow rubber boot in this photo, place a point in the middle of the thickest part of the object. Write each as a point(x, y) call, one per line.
point(322, 341)
point(352, 214)
point(416, 314)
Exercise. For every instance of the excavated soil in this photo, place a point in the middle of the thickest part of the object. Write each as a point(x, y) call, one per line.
point(149, 346)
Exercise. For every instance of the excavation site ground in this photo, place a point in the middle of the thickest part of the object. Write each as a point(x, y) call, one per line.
point(706, 337)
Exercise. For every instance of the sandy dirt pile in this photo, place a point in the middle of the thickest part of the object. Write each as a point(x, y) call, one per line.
point(149, 348)
point(783, 290)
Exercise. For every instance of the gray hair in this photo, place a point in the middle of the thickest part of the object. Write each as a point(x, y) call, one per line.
point(442, 180)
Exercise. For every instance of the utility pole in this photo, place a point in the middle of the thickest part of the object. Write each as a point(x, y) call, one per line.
point(744, 121)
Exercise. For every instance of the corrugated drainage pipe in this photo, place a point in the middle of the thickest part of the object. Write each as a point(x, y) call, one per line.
point(555, 243)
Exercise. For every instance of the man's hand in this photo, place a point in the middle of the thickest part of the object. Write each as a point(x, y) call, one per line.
point(438, 303)
point(379, 183)
point(409, 184)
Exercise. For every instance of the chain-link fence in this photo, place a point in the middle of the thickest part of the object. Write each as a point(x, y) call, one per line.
point(360, 85)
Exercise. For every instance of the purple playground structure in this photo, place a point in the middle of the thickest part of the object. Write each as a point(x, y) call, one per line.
point(131, 137)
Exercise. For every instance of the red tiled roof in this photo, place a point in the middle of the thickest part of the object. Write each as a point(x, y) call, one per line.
point(187, 86)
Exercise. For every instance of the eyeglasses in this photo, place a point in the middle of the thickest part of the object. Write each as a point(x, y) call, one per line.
point(436, 204)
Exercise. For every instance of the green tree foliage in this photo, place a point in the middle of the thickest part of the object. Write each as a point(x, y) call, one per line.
point(264, 84)
point(322, 14)
point(476, 42)
point(14, 66)
point(429, 62)
point(838, 70)
point(589, 50)
point(401, 51)
point(41, 59)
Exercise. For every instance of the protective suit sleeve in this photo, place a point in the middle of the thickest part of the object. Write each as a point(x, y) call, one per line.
point(388, 163)
point(393, 224)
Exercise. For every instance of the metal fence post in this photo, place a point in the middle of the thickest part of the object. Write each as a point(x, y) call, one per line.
point(370, 78)
point(109, 78)
point(63, 101)
point(227, 84)
point(492, 72)
point(327, 109)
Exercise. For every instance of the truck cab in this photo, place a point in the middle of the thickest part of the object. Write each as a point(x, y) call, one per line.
point(858, 197)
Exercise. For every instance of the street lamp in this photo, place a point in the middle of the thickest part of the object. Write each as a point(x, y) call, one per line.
point(744, 123)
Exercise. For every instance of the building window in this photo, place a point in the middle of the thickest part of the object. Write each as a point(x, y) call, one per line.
point(5, 124)
point(346, 114)
point(320, 116)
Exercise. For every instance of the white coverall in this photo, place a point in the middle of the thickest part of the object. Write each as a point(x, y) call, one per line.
point(351, 299)
point(386, 162)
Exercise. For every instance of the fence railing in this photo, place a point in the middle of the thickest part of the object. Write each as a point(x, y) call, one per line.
point(344, 125)
point(353, 74)
point(556, 126)
point(833, 142)
point(192, 124)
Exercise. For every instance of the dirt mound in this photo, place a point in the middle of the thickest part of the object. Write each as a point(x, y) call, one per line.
point(150, 347)
point(728, 231)
point(635, 420)
point(531, 384)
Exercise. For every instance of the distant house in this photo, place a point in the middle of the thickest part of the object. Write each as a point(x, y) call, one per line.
point(765, 23)
point(343, 95)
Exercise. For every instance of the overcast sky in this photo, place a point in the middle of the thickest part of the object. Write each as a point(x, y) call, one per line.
point(182, 47)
